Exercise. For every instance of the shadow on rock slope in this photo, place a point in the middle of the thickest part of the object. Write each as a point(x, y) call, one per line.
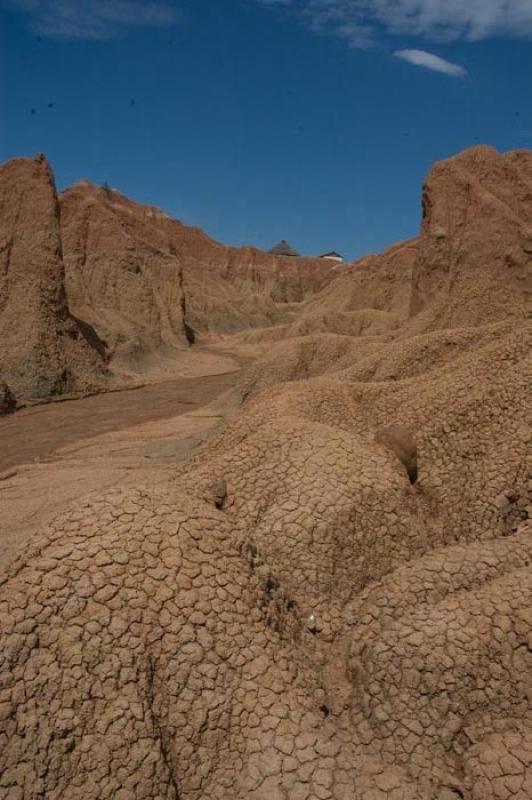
point(321, 629)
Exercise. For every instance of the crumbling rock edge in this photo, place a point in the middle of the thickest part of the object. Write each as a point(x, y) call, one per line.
point(286, 615)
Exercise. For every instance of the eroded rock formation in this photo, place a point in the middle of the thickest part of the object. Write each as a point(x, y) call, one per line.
point(146, 282)
point(121, 274)
point(475, 249)
point(43, 349)
point(94, 280)
point(287, 616)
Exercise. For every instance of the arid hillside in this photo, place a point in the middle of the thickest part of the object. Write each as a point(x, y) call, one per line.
point(475, 247)
point(330, 598)
point(96, 289)
point(470, 264)
point(147, 283)
point(121, 274)
point(44, 349)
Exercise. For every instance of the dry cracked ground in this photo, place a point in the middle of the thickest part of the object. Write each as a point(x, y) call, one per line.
point(329, 599)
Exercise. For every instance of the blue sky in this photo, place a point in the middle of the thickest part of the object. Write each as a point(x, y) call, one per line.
point(310, 120)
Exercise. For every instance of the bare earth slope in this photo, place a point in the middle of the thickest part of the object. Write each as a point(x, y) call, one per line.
point(94, 280)
point(469, 266)
point(146, 282)
point(286, 616)
point(370, 298)
point(120, 274)
point(43, 349)
point(475, 248)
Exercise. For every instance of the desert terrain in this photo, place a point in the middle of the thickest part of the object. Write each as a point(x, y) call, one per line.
point(266, 524)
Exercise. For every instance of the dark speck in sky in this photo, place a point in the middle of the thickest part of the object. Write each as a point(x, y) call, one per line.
point(265, 92)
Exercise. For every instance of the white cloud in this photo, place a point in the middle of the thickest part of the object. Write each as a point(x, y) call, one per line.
point(456, 19)
point(361, 22)
point(94, 19)
point(421, 58)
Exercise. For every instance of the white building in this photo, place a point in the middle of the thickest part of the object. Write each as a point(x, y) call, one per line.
point(333, 256)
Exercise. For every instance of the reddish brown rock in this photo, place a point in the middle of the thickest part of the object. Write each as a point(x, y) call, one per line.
point(474, 258)
point(122, 275)
point(332, 634)
point(149, 284)
point(369, 297)
point(43, 349)
point(470, 265)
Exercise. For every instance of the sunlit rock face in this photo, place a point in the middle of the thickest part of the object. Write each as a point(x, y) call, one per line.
point(43, 350)
point(289, 614)
point(148, 284)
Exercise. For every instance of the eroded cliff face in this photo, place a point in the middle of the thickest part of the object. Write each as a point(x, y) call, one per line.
point(474, 261)
point(370, 297)
point(96, 279)
point(310, 608)
point(122, 274)
point(108, 280)
point(43, 350)
point(471, 263)
point(147, 282)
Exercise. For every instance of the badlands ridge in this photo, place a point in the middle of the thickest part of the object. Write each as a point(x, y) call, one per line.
point(331, 597)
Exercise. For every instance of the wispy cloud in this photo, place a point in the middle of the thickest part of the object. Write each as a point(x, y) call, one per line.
point(94, 19)
point(364, 22)
point(421, 58)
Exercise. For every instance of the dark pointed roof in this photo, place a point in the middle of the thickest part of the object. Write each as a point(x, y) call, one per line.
point(283, 248)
